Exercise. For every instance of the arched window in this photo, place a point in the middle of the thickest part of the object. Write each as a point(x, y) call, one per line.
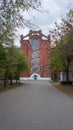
point(35, 44)
point(35, 62)
point(35, 54)
point(36, 69)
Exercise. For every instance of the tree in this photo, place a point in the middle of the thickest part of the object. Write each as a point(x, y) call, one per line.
point(2, 61)
point(10, 18)
point(62, 56)
point(15, 63)
point(22, 64)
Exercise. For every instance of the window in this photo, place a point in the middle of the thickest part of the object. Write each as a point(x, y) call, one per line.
point(36, 69)
point(36, 54)
point(35, 62)
point(35, 44)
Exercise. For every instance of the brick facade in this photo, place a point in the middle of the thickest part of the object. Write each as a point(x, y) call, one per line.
point(36, 45)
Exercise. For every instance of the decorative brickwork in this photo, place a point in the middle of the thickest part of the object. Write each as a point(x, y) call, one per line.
point(36, 46)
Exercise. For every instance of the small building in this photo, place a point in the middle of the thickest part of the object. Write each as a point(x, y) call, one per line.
point(36, 46)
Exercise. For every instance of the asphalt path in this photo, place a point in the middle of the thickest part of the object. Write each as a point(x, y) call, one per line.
point(36, 105)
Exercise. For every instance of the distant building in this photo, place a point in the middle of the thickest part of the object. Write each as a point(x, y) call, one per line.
point(36, 46)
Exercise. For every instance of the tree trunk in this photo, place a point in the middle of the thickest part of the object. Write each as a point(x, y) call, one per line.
point(16, 80)
point(67, 77)
point(19, 79)
point(67, 73)
point(67, 69)
point(11, 80)
point(5, 82)
point(5, 79)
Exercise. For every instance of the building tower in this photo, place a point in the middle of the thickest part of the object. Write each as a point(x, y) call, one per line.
point(36, 45)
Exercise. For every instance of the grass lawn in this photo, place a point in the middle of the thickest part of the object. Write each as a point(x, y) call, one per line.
point(2, 88)
point(67, 89)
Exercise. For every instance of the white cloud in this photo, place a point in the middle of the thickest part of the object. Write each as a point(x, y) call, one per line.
point(50, 12)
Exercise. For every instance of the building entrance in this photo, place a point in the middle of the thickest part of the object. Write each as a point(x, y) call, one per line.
point(35, 77)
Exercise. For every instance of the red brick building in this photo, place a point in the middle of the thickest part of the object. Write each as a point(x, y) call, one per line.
point(36, 45)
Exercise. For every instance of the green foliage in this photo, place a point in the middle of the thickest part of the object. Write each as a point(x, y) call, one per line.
point(12, 60)
point(57, 59)
point(61, 54)
point(2, 61)
point(11, 17)
point(21, 64)
point(16, 61)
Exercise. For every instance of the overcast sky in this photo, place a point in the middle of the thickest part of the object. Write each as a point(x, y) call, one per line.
point(51, 11)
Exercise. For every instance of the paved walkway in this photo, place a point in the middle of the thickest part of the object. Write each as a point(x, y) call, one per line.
point(36, 106)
